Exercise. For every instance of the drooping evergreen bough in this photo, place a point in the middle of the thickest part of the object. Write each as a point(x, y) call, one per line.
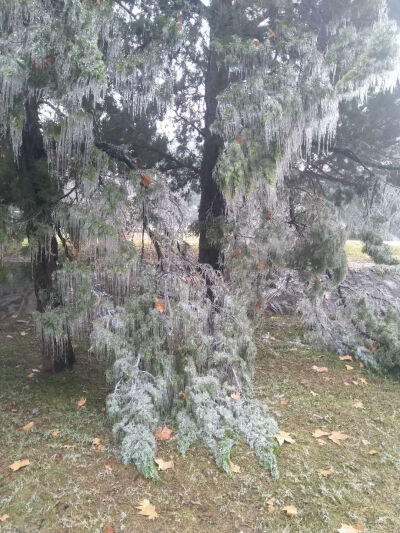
point(244, 89)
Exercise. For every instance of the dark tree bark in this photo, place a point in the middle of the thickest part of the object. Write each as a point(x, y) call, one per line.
point(33, 166)
point(212, 204)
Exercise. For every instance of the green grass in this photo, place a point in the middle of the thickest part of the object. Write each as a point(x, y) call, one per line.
point(356, 255)
point(79, 493)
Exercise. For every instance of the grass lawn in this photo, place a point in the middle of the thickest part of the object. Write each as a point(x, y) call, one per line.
point(72, 485)
point(356, 255)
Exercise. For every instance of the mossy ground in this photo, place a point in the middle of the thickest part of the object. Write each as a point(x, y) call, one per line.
point(70, 487)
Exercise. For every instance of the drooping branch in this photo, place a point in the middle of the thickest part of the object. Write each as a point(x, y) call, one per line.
point(117, 153)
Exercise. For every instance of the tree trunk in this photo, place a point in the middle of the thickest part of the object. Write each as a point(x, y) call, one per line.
point(33, 165)
point(212, 204)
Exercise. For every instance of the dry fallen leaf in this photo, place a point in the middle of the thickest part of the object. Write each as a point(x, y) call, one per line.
point(31, 375)
point(235, 468)
point(284, 403)
point(346, 358)
point(362, 365)
point(27, 426)
point(358, 405)
point(146, 180)
point(235, 396)
point(55, 432)
point(321, 442)
point(4, 517)
point(373, 452)
point(337, 436)
point(19, 464)
point(108, 469)
point(261, 265)
point(351, 529)
point(81, 402)
point(320, 368)
point(290, 510)
point(96, 441)
point(313, 393)
point(325, 473)
point(163, 433)
point(271, 506)
point(349, 367)
point(282, 437)
point(163, 465)
point(147, 509)
point(363, 381)
point(109, 529)
point(318, 433)
point(159, 305)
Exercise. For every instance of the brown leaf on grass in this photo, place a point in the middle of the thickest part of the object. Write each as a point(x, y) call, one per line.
point(290, 510)
point(235, 468)
point(163, 465)
point(373, 452)
point(271, 506)
point(321, 442)
point(147, 509)
point(163, 433)
point(96, 441)
point(318, 433)
point(14, 410)
point(256, 43)
point(362, 365)
point(283, 437)
point(235, 396)
point(320, 369)
point(4, 517)
point(337, 436)
point(30, 376)
point(349, 367)
point(346, 528)
point(159, 305)
point(346, 358)
point(27, 426)
point(19, 464)
point(109, 529)
point(358, 405)
point(313, 393)
point(261, 265)
point(108, 468)
point(325, 473)
point(81, 402)
point(363, 381)
point(55, 432)
point(284, 402)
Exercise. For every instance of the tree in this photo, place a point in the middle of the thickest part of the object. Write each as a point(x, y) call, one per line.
point(246, 88)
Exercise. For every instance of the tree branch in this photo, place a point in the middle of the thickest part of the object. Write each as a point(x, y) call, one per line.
point(115, 152)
